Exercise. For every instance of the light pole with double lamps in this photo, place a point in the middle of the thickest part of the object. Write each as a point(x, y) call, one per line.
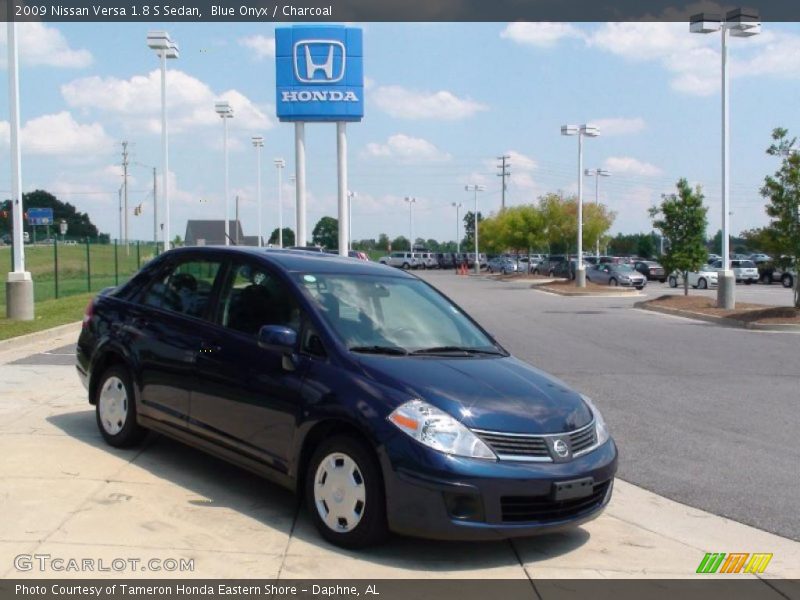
point(475, 188)
point(225, 111)
point(597, 174)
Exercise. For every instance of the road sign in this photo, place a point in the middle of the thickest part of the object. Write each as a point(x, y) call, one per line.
point(40, 216)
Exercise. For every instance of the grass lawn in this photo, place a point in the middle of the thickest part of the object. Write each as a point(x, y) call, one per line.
point(48, 313)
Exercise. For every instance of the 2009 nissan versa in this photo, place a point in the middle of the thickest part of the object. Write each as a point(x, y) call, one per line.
point(361, 387)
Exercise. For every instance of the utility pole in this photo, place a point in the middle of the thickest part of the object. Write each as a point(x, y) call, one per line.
point(125, 193)
point(505, 174)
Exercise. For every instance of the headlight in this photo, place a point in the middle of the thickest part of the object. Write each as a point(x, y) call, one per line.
point(438, 430)
point(600, 425)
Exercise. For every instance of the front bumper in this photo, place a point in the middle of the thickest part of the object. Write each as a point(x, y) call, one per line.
point(425, 488)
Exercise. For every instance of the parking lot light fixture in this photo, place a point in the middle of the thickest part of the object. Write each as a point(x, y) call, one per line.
point(350, 196)
point(581, 131)
point(457, 206)
point(165, 48)
point(475, 188)
point(597, 174)
point(225, 111)
point(280, 164)
point(411, 202)
point(258, 143)
point(740, 22)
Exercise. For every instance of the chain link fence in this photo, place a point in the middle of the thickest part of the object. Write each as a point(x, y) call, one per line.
point(65, 268)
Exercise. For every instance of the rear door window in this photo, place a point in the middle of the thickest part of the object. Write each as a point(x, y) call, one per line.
point(184, 289)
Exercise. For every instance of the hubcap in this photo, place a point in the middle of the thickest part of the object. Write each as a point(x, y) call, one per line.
point(339, 492)
point(113, 405)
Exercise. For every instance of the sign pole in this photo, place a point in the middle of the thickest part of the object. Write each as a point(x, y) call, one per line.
point(19, 285)
point(300, 184)
point(341, 165)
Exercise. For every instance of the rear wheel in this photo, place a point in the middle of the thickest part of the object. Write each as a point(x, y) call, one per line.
point(115, 409)
point(344, 493)
point(787, 280)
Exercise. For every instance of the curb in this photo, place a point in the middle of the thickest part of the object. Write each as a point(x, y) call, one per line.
point(721, 321)
point(38, 336)
point(619, 294)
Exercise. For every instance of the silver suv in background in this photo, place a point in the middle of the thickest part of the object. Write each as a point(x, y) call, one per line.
point(401, 260)
point(426, 260)
point(743, 270)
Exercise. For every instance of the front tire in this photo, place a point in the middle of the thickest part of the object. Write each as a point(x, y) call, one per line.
point(344, 493)
point(673, 282)
point(787, 281)
point(115, 409)
point(702, 284)
point(613, 282)
point(406, 266)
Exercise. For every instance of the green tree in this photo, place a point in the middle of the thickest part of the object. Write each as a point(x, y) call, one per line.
point(782, 190)
point(644, 246)
point(79, 225)
point(288, 237)
point(383, 242)
point(469, 231)
point(682, 220)
point(326, 233)
point(400, 243)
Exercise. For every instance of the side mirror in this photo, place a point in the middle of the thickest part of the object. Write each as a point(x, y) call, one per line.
point(277, 338)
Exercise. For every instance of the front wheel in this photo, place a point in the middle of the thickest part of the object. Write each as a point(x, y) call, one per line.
point(406, 266)
point(344, 493)
point(787, 281)
point(702, 284)
point(673, 282)
point(115, 409)
point(613, 282)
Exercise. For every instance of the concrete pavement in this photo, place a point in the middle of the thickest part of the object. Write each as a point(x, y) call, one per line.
point(63, 492)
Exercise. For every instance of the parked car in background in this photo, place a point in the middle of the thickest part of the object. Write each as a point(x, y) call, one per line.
point(446, 260)
point(401, 260)
point(350, 385)
point(760, 257)
point(358, 254)
point(481, 259)
point(712, 258)
point(703, 279)
point(650, 269)
point(428, 260)
point(548, 264)
point(743, 270)
point(616, 274)
point(565, 269)
point(502, 264)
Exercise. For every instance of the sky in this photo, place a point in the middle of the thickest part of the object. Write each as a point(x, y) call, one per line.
point(442, 102)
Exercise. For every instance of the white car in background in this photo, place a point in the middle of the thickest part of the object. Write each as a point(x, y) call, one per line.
point(743, 270)
point(702, 279)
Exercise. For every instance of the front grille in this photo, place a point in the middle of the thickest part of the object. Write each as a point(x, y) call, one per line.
point(522, 446)
point(517, 509)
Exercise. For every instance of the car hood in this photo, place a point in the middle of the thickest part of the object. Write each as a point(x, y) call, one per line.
point(492, 393)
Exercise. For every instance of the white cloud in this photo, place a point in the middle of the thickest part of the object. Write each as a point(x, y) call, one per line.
point(619, 126)
point(631, 166)
point(403, 103)
point(60, 135)
point(542, 35)
point(407, 149)
point(261, 45)
point(190, 102)
point(42, 45)
point(520, 161)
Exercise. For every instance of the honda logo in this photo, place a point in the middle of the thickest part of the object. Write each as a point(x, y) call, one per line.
point(319, 61)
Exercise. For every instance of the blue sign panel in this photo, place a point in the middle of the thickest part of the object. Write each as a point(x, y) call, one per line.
point(40, 216)
point(319, 73)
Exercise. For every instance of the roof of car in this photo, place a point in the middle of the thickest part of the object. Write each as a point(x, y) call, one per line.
point(303, 260)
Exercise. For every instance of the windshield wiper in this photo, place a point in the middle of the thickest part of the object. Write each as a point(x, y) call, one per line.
point(454, 349)
point(393, 350)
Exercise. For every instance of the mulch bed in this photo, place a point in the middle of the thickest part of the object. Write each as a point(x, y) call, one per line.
point(744, 312)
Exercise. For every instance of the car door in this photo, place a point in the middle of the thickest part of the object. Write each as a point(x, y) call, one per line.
point(603, 274)
point(161, 332)
point(246, 398)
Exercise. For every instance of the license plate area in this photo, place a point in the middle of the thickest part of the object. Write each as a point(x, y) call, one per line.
point(570, 490)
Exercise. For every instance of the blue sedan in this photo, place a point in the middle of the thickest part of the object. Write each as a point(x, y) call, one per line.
point(360, 387)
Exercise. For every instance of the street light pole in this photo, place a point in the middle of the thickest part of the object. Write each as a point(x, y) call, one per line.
point(597, 174)
point(279, 165)
point(411, 202)
point(225, 111)
point(166, 49)
point(581, 132)
point(350, 195)
point(475, 188)
point(19, 284)
point(258, 143)
point(458, 241)
point(739, 23)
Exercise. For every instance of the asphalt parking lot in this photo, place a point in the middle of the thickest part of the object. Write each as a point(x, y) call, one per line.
point(64, 493)
point(705, 415)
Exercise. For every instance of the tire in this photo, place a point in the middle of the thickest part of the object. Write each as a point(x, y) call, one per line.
point(787, 281)
point(766, 279)
point(115, 409)
point(661, 280)
point(673, 282)
point(489, 270)
point(406, 266)
point(613, 282)
point(748, 281)
point(363, 487)
point(702, 283)
point(535, 271)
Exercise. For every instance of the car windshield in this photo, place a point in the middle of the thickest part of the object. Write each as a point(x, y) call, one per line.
point(393, 315)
